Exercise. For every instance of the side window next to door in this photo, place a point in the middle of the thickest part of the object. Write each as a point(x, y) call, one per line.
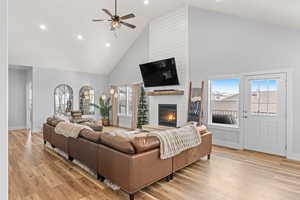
point(224, 100)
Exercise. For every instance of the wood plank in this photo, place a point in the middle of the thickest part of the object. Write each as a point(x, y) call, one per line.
point(165, 93)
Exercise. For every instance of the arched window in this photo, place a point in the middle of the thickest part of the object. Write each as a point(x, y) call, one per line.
point(86, 98)
point(63, 99)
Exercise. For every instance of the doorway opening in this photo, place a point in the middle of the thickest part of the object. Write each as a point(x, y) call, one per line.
point(20, 97)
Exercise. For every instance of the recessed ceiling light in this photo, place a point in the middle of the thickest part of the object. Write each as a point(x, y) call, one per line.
point(146, 2)
point(79, 37)
point(107, 44)
point(219, 1)
point(43, 27)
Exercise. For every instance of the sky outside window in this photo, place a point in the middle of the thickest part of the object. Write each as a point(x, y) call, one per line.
point(264, 85)
point(226, 86)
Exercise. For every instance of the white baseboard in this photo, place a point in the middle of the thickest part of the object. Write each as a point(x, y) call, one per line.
point(36, 130)
point(12, 128)
point(227, 144)
point(290, 156)
point(293, 156)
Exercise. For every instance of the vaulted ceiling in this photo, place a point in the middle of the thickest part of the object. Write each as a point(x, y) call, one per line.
point(58, 46)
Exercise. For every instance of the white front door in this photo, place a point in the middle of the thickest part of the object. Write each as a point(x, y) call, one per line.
point(265, 113)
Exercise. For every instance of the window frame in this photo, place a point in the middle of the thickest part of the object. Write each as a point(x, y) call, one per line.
point(120, 90)
point(69, 98)
point(127, 101)
point(92, 93)
point(209, 113)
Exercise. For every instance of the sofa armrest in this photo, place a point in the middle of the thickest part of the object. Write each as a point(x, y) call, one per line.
point(206, 144)
point(48, 130)
point(194, 154)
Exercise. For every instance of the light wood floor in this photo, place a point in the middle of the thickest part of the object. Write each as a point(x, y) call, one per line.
point(37, 173)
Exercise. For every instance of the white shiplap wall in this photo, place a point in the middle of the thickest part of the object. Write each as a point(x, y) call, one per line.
point(168, 37)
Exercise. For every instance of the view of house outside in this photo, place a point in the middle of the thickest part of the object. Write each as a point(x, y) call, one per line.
point(225, 99)
point(264, 97)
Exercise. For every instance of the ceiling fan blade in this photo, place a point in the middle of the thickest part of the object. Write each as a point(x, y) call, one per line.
point(107, 12)
point(98, 20)
point(129, 16)
point(128, 25)
point(101, 20)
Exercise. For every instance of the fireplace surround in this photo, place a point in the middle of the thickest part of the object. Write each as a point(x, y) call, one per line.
point(167, 115)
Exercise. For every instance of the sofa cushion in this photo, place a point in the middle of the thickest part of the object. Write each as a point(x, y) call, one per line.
point(90, 135)
point(94, 126)
point(130, 135)
point(79, 120)
point(52, 121)
point(117, 143)
point(146, 143)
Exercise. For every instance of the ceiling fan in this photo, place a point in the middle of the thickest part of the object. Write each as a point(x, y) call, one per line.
point(116, 21)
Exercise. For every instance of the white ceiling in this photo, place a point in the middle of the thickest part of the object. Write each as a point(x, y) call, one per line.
point(58, 47)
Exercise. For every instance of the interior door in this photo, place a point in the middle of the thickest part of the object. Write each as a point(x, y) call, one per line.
point(265, 113)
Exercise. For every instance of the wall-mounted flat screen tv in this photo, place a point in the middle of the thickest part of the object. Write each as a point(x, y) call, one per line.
point(160, 73)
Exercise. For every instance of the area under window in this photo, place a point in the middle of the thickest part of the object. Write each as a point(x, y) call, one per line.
point(224, 103)
point(86, 98)
point(264, 97)
point(125, 100)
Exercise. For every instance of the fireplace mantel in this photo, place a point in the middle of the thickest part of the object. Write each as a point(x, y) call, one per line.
point(165, 93)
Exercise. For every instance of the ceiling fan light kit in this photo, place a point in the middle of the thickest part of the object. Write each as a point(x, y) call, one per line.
point(115, 20)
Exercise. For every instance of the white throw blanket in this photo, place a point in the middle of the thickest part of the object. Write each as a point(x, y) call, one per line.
point(175, 141)
point(69, 129)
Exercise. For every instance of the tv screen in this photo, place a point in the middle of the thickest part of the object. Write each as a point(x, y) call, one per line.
point(160, 73)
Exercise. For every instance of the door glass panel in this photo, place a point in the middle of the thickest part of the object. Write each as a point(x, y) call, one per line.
point(264, 97)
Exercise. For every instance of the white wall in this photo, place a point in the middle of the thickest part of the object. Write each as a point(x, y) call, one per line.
point(46, 80)
point(17, 80)
point(222, 44)
point(3, 103)
point(127, 71)
point(168, 37)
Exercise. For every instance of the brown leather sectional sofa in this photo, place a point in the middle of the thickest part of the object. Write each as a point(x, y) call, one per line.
point(130, 163)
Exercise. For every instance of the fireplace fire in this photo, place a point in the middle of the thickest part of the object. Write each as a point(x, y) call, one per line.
point(167, 115)
point(171, 117)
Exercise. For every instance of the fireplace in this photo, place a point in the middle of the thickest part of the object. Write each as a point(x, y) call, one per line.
point(167, 115)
